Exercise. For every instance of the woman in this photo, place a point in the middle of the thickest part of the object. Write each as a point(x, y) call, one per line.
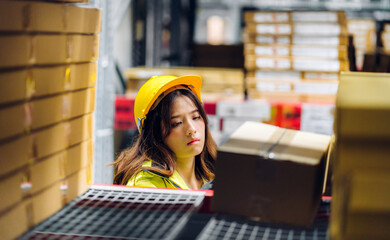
point(174, 148)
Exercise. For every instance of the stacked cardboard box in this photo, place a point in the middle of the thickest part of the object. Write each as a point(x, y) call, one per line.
point(295, 56)
point(47, 81)
point(361, 181)
point(281, 174)
point(363, 31)
point(217, 83)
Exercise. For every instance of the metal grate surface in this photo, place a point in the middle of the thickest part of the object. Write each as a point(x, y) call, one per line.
point(229, 227)
point(121, 213)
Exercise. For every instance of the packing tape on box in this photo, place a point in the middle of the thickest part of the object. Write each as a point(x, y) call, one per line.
point(63, 163)
point(69, 47)
point(280, 139)
point(30, 84)
point(28, 112)
point(67, 133)
point(66, 106)
point(33, 47)
point(68, 80)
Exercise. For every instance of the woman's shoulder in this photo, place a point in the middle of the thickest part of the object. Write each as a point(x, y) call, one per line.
point(146, 179)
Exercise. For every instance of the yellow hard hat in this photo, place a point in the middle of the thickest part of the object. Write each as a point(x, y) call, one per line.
point(156, 88)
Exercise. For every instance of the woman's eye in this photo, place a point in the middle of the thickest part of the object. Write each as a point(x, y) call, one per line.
point(175, 124)
point(197, 117)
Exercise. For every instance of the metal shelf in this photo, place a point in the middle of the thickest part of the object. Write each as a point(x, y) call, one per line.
point(112, 212)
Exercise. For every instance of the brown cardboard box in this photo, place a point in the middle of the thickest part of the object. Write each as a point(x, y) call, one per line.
point(80, 129)
point(19, 150)
point(42, 49)
point(47, 171)
point(78, 157)
point(295, 63)
point(34, 115)
point(16, 221)
point(80, 102)
point(274, 96)
point(279, 50)
point(43, 143)
point(76, 185)
point(83, 20)
point(14, 120)
point(363, 106)
point(28, 16)
point(51, 140)
point(47, 202)
point(318, 16)
point(85, 48)
point(44, 173)
point(267, 17)
point(10, 190)
point(23, 84)
point(280, 178)
point(351, 155)
point(362, 209)
point(62, 135)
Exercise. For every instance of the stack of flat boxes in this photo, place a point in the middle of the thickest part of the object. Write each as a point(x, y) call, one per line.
point(217, 83)
point(47, 81)
point(361, 176)
point(295, 56)
point(363, 31)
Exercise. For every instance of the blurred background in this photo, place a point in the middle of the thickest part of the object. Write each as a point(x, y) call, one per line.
point(244, 50)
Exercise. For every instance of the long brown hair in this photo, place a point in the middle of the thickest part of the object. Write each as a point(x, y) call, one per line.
point(150, 145)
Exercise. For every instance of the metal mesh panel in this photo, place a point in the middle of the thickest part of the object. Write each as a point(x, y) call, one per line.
point(121, 213)
point(228, 227)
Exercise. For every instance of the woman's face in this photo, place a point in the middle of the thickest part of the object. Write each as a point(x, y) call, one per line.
point(187, 136)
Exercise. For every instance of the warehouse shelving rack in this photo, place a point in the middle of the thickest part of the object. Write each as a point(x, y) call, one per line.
point(118, 212)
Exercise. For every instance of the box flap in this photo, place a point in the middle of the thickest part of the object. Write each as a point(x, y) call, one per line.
point(276, 143)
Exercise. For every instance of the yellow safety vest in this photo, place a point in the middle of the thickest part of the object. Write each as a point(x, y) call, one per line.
point(150, 179)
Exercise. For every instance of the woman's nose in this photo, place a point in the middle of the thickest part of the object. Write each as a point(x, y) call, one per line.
point(191, 129)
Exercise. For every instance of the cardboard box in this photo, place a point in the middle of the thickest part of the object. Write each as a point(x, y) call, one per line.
point(318, 16)
point(320, 40)
point(363, 106)
point(80, 129)
point(76, 185)
point(253, 109)
point(10, 190)
point(269, 28)
point(19, 150)
point(326, 52)
point(24, 84)
point(281, 174)
point(78, 157)
point(317, 118)
point(265, 39)
point(47, 171)
point(27, 50)
point(62, 135)
point(319, 29)
point(351, 155)
point(28, 16)
point(34, 115)
point(267, 17)
point(47, 202)
point(362, 209)
point(16, 221)
point(43, 173)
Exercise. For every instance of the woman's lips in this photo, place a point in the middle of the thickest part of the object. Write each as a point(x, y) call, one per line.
point(193, 141)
